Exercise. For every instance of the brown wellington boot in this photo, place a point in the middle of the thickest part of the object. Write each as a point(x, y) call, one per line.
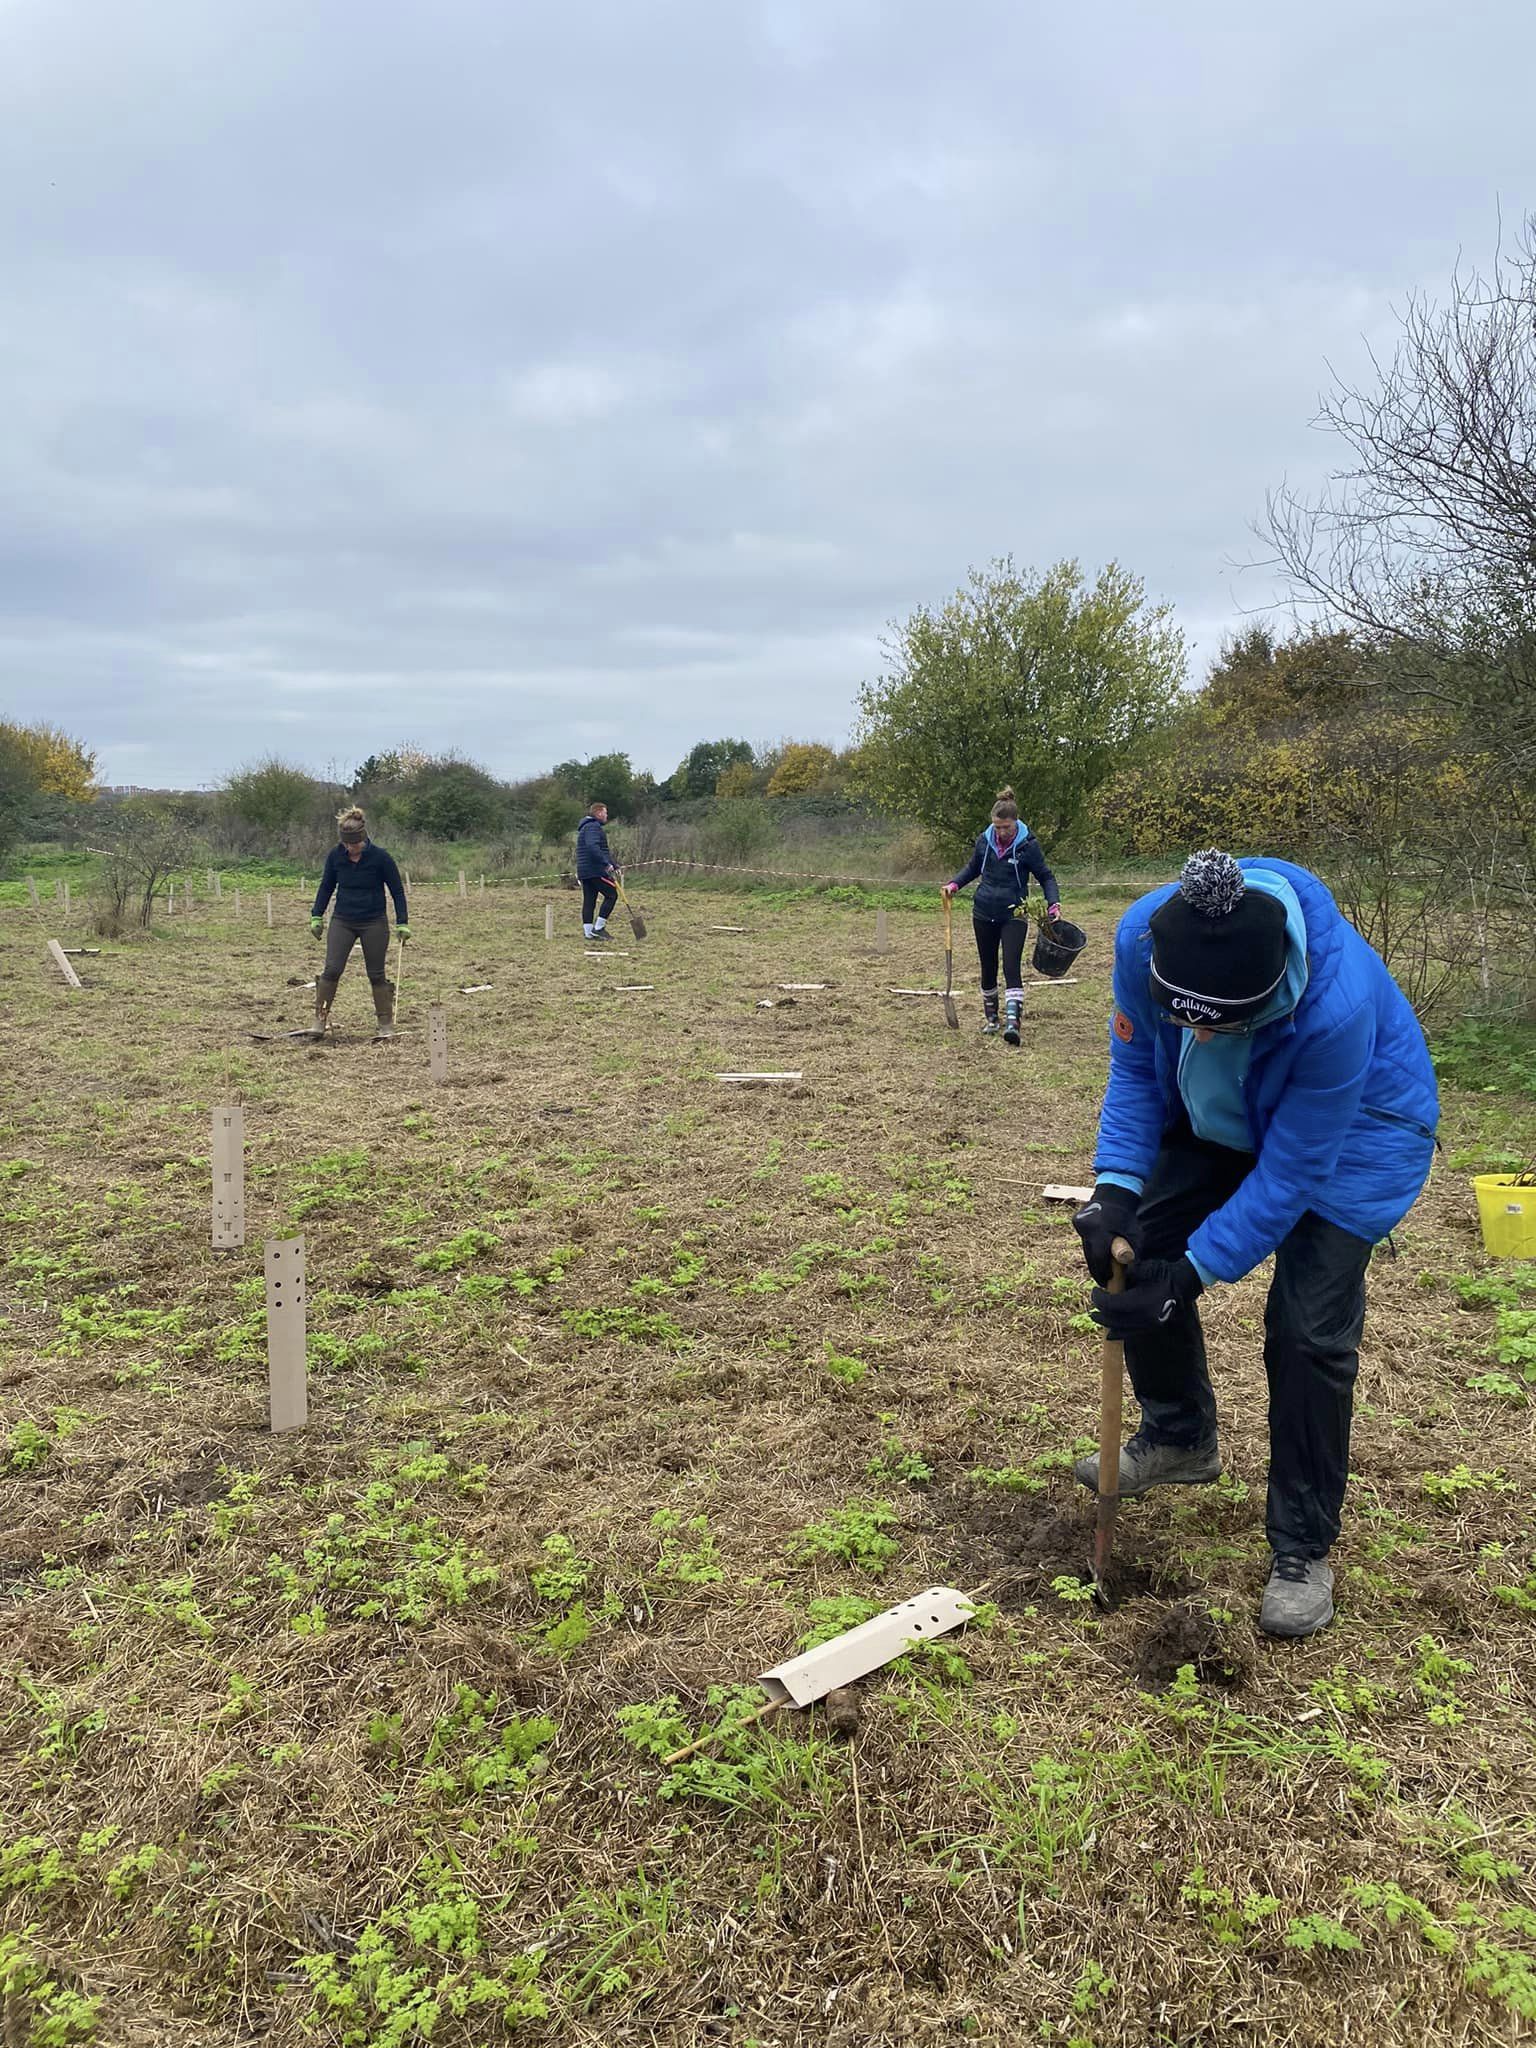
point(325, 995)
point(384, 1009)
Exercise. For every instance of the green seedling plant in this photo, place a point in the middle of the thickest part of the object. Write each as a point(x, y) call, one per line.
point(894, 1465)
point(459, 1251)
point(857, 1535)
point(682, 1562)
point(843, 1367)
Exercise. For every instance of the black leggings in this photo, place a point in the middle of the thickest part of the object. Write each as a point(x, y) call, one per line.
point(590, 892)
point(1009, 933)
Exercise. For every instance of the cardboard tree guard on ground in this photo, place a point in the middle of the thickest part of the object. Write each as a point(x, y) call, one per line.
point(801, 1681)
point(830, 1667)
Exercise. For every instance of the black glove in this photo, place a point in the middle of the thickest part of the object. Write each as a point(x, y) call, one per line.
point(1111, 1214)
point(1158, 1289)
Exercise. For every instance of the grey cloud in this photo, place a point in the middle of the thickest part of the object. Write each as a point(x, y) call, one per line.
point(535, 380)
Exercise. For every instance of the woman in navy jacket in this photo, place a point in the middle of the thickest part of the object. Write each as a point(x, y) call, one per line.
point(1270, 1093)
point(1001, 863)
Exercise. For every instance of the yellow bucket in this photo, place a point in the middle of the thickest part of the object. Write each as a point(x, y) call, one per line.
point(1506, 1207)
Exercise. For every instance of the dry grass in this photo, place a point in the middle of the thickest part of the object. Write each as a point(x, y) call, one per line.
point(358, 1786)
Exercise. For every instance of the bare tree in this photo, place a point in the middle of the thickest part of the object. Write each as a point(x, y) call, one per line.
point(146, 843)
point(1425, 537)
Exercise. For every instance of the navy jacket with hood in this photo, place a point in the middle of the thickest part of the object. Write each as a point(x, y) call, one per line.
point(1339, 1096)
point(1003, 878)
point(593, 860)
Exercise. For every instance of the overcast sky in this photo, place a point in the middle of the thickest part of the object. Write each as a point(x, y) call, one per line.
point(536, 379)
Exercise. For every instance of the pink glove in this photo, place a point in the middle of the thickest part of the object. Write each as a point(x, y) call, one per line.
point(1053, 911)
point(950, 888)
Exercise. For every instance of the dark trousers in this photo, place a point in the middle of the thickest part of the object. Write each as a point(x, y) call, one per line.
point(1006, 935)
point(593, 890)
point(1312, 1324)
point(342, 935)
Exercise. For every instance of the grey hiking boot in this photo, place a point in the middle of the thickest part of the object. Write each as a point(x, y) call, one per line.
point(1298, 1600)
point(1144, 1465)
point(384, 1008)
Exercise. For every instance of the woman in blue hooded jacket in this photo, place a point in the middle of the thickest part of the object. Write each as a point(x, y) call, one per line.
point(1001, 863)
point(1270, 1094)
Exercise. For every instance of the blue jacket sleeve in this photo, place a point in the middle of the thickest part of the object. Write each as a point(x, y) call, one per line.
point(396, 887)
point(1034, 860)
point(1134, 1115)
point(327, 888)
point(1300, 1151)
point(972, 867)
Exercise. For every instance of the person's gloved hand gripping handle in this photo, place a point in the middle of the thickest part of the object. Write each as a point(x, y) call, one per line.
point(1155, 1291)
point(1110, 1214)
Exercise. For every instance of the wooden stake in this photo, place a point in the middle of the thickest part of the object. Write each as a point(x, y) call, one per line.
point(170, 899)
point(32, 892)
point(228, 1178)
point(482, 885)
point(549, 920)
point(405, 876)
point(437, 1040)
point(882, 933)
point(237, 903)
point(795, 1076)
point(61, 961)
point(463, 885)
point(58, 891)
point(269, 910)
point(66, 899)
point(287, 1376)
point(218, 887)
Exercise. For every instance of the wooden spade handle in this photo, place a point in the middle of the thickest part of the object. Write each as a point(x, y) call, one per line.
point(1111, 1412)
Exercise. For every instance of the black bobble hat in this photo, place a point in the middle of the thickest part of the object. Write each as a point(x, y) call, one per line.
point(1218, 949)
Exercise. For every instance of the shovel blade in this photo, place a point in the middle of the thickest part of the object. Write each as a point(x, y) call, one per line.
point(637, 924)
point(951, 1014)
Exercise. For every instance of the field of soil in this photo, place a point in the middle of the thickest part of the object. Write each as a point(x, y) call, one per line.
point(624, 1383)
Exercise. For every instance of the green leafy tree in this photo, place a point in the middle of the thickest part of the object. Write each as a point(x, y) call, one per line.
point(18, 787)
point(740, 779)
point(706, 763)
point(1046, 682)
point(273, 794)
point(449, 798)
point(557, 813)
point(605, 779)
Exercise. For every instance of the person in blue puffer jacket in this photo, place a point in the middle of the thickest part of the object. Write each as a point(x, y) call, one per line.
point(1001, 863)
point(1270, 1093)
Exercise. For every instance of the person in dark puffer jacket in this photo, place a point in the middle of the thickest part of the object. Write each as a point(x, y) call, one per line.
point(1001, 863)
point(1270, 1093)
point(357, 873)
point(596, 873)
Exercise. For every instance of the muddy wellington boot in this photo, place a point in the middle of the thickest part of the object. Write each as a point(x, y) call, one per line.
point(989, 1023)
point(1014, 1018)
point(384, 1009)
point(325, 995)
